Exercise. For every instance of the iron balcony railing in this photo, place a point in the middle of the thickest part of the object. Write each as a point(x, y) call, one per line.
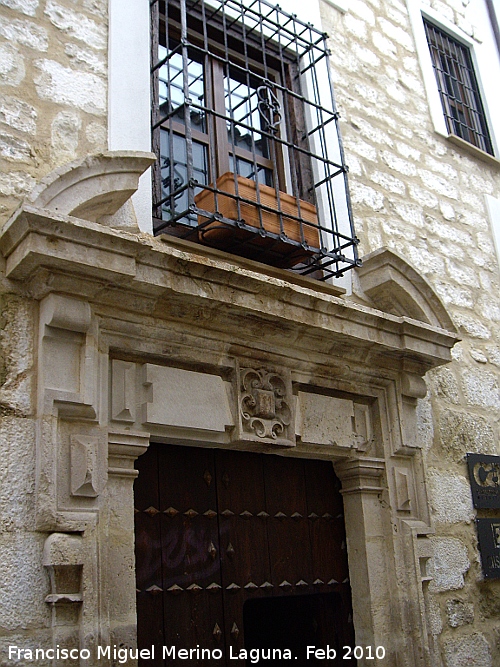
point(245, 126)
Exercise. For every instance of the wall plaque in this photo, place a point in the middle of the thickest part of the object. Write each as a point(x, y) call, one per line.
point(484, 475)
point(488, 533)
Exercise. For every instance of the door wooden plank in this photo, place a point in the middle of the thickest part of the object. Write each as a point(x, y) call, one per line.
point(148, 554)
point(193, 605)
point(243, 537)
point(187, 501)
point(288, 530)
point(326, 523)
point(328, 542)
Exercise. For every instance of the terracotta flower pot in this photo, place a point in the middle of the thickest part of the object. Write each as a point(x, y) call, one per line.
point(251, 243)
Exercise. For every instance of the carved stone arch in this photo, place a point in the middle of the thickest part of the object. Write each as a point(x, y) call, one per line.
point(395, 287)
point(92, 187)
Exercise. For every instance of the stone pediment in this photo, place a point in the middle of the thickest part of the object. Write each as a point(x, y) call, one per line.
point(92, 187)
point(395, 287)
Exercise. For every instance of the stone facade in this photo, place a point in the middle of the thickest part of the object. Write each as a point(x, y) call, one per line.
point(99, 320)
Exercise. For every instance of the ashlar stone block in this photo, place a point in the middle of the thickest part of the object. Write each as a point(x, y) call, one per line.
point(186, 399)
point(62, 85)
point(451, 498)
point(459, 612)
point(16, 183)
point(22, 601)
point(25, 32)
point(65, 135)
point(326, 420)
point(12, 70)
point(469, 651)
point(13, 149)
point(76, 25)
point(481, 388)
point(27, 7)
point(449, 564)
point(18, 114)
point(462, 433)
point(445, 385)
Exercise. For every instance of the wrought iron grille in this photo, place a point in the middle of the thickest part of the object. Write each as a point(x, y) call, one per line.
point(458, 88)
point(245, 127)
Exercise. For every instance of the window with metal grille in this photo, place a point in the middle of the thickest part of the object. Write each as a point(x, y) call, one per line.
point(458, 88)
point(246, 132)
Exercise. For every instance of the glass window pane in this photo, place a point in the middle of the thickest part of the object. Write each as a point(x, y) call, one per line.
point(172, 88)
point(244, 118)
point(252, 171)
point(174, 177)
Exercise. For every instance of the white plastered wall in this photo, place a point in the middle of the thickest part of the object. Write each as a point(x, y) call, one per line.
point(493, 206)
point(129, 91)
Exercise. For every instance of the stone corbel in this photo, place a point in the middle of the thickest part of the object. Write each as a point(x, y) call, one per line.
point(68, 358)
point(62, 558)
point(412, 387)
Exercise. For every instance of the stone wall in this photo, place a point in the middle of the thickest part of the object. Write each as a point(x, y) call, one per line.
point(53, 83)
point(417, 194)
point(53, 106)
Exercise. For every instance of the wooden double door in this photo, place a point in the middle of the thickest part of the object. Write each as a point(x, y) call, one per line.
point(238, 551)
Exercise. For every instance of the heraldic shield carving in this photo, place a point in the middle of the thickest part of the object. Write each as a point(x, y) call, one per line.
point(265, 406)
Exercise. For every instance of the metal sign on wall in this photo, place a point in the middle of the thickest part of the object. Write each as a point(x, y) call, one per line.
point(484, 474)
point(488, 533)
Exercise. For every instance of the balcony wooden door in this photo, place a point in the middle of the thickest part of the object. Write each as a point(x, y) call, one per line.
point(239, 551)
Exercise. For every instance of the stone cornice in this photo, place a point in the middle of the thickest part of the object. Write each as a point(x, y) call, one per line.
point(47, 252)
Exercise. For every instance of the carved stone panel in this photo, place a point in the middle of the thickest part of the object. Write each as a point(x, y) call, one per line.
point(335, 422)
point(185, 399)
point(86, 474)
point(326, 420)
point(265, 406)
point(123, 391)
point(68, 360)
point(403, 484)
point(363, 429)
